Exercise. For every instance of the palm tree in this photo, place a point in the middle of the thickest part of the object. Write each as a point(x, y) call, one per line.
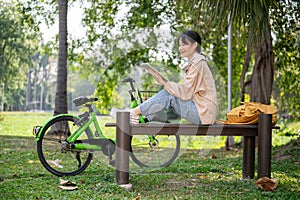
point(252, 16)
point(61, 105)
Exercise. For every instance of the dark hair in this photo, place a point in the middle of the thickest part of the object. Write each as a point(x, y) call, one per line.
point(191, 36)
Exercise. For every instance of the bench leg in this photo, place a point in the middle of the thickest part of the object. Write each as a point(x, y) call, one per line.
point(122, 148)
point(264, 145)
point(248, 157)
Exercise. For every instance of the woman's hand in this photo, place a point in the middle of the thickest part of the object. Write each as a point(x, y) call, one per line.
point(159, 78)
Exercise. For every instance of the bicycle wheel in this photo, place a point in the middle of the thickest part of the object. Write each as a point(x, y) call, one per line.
point(162, 154)
point(55, 154)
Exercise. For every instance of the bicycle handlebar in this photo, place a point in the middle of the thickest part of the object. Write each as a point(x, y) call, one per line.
point(130, 80)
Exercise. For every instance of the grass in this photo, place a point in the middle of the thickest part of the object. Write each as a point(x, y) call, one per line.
point(196, 174)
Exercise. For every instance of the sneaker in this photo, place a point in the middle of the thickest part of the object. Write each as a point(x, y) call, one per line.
point(134, 118)
point(113, 112)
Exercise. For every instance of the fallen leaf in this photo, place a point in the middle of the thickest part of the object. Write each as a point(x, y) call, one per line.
point(99, 184)
point(67, 185)
point(267, 184)
point(213, 156)
point(68, 188)
point(66, 182)
point(203, 177)
point(138, 197)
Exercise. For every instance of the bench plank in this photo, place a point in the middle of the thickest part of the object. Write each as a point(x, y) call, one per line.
point(192, 130)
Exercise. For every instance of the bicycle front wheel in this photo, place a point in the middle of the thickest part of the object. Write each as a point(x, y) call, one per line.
point(55, 153)
point(159, 154)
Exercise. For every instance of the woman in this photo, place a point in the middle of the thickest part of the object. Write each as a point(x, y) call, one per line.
point(195, 98)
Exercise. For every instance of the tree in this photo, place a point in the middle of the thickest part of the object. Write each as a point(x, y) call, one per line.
point(108, 28)
point(17, 43)
point(61, 103)
point(38, 77)
point(285, 26)
point(252, 17)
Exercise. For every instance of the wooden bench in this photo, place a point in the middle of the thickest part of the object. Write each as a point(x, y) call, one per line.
point(263, 131)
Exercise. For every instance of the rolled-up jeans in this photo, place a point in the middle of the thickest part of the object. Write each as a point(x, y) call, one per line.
point(164, 100)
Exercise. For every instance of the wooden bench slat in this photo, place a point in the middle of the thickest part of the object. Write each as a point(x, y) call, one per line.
point(193, 130)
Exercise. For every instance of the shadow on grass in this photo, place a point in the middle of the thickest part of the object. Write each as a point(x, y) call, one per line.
point(216, 175)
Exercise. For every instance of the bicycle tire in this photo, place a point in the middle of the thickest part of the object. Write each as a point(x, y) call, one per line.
point(161, 156)
point(54, 155)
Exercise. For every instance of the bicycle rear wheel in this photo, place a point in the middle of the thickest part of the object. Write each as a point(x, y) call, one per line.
point(162, 154)
point(56, 154)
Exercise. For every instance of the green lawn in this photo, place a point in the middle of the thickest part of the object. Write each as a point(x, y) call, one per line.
point(205, 171)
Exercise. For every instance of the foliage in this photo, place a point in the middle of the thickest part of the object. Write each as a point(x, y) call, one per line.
point(287, 126)
point(252, 19)
point(287, 51)
point(126, 39)
point(178, 15)
point(122, 33)
point(283, 19)
point(18, 42)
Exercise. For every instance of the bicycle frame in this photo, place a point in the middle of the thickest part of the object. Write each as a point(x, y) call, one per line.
point(88, 118)
point(134, 104)
point(76, 139)
point(86, 125)
point(37, 130)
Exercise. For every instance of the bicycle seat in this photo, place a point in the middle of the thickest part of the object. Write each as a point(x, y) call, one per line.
point(83, 100)
point(128, 79)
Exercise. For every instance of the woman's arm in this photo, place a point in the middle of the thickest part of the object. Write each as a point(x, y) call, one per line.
point(191, 84)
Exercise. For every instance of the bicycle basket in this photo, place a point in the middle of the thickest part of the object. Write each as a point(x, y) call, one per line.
point(146, 94)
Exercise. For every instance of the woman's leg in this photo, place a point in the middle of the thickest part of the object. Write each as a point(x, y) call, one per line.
point(163, 100)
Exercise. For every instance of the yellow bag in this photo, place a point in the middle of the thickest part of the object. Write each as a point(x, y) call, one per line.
point(248, 113)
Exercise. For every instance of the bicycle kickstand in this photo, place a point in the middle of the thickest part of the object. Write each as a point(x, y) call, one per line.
point(111, 161)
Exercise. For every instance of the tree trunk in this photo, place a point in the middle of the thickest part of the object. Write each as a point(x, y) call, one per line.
point(35, 79)
point(28, 91)
point(263, 71)
point(42, 87)
point(61, 105)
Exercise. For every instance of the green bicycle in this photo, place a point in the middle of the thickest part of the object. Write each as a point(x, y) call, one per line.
point(66, 142)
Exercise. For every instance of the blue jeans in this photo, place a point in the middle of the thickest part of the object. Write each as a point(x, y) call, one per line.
point(164, 100)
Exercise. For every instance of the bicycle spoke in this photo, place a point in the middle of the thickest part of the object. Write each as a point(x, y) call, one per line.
point(161, 155)
point(56, 154)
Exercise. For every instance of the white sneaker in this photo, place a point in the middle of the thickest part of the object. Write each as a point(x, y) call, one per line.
point(113, 112)
point(134, 118)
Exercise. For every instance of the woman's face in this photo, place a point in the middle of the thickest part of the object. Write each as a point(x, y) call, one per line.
point(187, 49)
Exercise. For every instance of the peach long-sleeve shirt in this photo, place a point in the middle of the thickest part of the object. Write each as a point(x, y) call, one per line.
point(199, 86)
